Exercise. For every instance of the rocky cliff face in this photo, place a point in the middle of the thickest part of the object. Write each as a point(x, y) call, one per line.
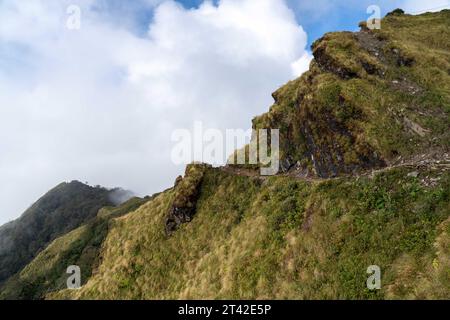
point(187, 192)
point(369, 98)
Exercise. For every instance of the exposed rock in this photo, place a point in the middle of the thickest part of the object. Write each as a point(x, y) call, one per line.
point(187, 191)
point(372, 44)
point(402, 59)
point(328, 158)
point(286, 164)
point(329, 64)
point(406, 86)
point(370, 68)
point(328, 61)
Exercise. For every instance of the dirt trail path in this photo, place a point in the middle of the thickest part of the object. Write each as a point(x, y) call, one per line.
point(430, 161)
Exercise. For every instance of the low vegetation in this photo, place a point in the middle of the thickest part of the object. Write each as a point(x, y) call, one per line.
point(81, 247)
point(284, 238)
point(366, 181)
point(62, 209)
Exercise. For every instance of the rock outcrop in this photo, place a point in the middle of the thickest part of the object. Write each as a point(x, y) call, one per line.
point(187, 191)
point(368, 97)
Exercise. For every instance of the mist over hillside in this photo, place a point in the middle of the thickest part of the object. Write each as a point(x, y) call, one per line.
point(59, 211)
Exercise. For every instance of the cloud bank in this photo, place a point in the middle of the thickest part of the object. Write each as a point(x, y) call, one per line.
point(99, 104)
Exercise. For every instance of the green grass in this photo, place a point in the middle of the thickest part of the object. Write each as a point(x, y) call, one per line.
point(283, 238)
point(81, 247)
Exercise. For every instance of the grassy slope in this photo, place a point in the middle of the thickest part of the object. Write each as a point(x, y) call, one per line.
point(61, 210)
point(284, 238)
point(47, 272)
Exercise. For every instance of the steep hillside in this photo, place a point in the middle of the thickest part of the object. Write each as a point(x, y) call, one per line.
point(365, 181)
point(47, 272)
point(370, 98)
point(282, 237)
point(61, 210)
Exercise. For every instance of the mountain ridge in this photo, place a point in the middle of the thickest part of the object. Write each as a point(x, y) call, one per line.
point(62, 209)
point(364, 181)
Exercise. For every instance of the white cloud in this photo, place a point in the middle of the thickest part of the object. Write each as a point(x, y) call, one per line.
point(99, 104)
point(332, 11)
point(299, 66)
point(420, 6)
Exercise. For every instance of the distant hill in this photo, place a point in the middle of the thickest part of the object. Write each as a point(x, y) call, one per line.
point(59, 211)
point(81, 247)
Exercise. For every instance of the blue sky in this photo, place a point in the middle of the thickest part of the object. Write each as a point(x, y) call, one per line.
point(316, 17)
